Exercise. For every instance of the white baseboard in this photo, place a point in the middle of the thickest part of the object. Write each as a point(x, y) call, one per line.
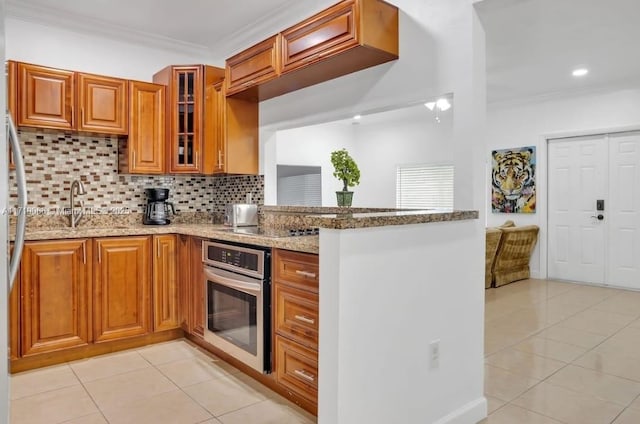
point(471, 413)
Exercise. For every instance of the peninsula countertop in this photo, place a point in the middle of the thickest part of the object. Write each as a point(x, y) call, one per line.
point(308, 244)
point(276, 221)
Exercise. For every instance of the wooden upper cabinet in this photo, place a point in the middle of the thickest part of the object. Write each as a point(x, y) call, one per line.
point(253, 66)
point(327, 33)
point(165, 283)
point(144, 151)
point(56, 294)
point(12, 98)
point(103, 106)
point(232, 129)
point(122, 287)
point(349, 36)
point(187, 149)
point(45, 97)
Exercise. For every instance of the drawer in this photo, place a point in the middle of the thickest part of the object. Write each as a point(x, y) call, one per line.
point(297, 315)
point(253, 66)
point(297, 368)
point(297, 269)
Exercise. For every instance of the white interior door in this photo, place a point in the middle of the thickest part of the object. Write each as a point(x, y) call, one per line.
point(577, 178)
point(589, 242)
point(623, 217)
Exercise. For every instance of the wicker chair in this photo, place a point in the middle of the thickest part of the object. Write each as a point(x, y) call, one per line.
point(514, 252)
point(492, 240)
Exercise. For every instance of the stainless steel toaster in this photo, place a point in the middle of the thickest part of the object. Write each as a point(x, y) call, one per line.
point(241, 215)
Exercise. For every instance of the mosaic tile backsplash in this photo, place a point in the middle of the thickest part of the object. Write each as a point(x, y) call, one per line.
point(53, 159)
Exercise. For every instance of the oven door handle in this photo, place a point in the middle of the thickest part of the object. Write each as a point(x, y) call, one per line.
point(246, 287)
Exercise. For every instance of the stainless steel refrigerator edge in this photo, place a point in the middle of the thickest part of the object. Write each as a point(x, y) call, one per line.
point(4, 246)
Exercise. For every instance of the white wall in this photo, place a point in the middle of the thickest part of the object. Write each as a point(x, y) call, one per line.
point(410, 290)
point(59, 48)
point(530, 123)
point(378, 143)
point(381, 147)
point(441, 51)
point(309, 146)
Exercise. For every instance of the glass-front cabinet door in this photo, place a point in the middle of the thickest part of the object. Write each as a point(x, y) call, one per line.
point(186, 145)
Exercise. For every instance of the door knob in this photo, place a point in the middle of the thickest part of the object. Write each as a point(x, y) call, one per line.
point(599, 217)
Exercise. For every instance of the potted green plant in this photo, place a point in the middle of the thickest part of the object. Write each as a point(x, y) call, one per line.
point(346, 170)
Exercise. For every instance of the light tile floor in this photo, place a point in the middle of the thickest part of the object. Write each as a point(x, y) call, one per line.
point(555, 353)
point(173, 382)
point(562, 353)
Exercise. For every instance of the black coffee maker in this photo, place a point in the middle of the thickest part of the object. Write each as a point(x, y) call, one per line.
point(157, 210)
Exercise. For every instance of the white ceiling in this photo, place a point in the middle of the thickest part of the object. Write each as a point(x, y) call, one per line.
point(532, 45)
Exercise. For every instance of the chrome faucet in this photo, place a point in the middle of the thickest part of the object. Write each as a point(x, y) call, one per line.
point(75, 216)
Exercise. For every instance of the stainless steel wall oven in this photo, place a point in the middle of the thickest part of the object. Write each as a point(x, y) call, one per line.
point(237, 280)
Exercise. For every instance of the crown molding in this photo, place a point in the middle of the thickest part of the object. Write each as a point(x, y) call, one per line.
point(55, 18)
point(630, 84)
point(280, 18)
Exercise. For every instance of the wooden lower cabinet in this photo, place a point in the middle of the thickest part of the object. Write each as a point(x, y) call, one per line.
point(295, 294)
point(197, 287)
point(55, 291)
point(297, 368)
point(191, 285)
point(184, 277)
point(165, 283)
point(14, 317)
point(122, 287)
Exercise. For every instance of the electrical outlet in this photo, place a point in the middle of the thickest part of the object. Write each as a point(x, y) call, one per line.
point(434, 351)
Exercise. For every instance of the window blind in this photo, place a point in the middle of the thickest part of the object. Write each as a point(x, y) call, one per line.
point(424, 186)
point(300, 190)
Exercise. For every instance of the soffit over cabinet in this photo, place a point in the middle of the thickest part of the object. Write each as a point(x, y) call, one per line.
point(350, 36)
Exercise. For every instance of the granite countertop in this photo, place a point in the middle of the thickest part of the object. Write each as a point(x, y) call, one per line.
point(276, 221)
point(345, 218)
point(307, 244)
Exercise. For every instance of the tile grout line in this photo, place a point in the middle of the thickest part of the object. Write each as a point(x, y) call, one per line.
point(87, 392)
point(572, 362)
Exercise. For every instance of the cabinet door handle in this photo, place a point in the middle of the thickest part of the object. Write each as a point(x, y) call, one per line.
point(133, 163)
point(72, 116)
point(99, 255)
point(307, 376)
point(81, 116)
point(220, 159)
point(196, 163)
point(158, 246)
point(249, 83)
point(306, 273)
point(84, 252)
point(305, 319)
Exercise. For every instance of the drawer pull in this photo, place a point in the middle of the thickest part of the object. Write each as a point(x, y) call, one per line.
point(306, 273)
point(305, 319)
point(303, 374)
point(249, 83)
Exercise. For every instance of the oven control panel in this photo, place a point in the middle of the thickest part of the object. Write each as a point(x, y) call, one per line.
point(243, 260)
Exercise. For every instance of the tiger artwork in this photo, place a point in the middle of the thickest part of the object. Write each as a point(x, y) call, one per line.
point(513, 188)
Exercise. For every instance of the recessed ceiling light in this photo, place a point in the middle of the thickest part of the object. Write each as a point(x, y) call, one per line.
point(430, 105)
point(356, 117)
point(443, 104)
point(580, 72)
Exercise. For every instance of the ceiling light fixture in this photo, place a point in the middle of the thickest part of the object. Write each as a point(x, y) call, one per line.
point(440, 104)
point(580, 72)
point(356, 117)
